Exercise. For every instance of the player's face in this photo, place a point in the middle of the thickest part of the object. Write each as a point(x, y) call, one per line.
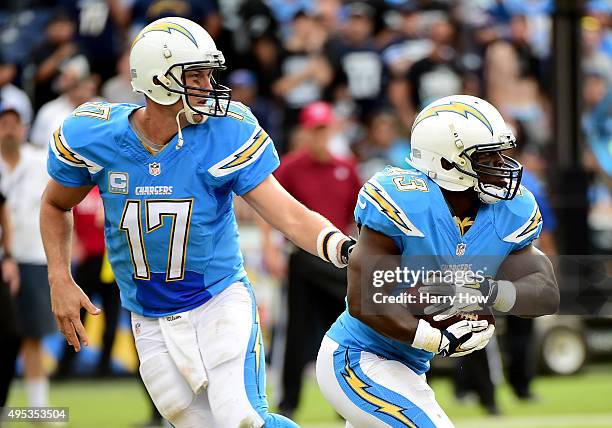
point(492, 159)
point(200, 79)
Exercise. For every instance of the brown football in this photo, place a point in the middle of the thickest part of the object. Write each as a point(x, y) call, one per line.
point(417, 309)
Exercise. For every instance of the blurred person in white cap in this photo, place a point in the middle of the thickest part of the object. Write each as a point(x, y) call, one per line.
point(24, 178)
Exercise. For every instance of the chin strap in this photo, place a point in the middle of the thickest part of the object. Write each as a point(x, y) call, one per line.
point(180, 141)
point(190, 116)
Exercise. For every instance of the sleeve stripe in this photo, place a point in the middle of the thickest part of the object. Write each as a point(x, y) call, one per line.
point(244, 156)
point(64, 153)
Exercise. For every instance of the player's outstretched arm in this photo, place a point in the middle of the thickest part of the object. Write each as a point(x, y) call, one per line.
point(305, 228)
point(56, 223)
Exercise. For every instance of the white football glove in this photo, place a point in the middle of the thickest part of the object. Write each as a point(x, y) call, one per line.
point(469, 297)
point(461, 338)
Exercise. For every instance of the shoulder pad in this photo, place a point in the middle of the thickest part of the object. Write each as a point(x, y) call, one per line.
point(518, 220)
point(86, 138)
point(241, 112)
point(244, 140)
point(388, 199)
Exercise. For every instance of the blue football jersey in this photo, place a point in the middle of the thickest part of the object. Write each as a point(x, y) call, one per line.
point(170, 228)
point(408, 207)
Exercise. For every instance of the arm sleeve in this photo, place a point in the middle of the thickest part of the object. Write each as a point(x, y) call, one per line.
point(64, 164)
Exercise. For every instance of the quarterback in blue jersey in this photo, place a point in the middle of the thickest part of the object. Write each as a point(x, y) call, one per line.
point(458, 207)
point(167, 174)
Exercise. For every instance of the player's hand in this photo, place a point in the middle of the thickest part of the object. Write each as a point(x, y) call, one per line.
point(274, 262)
point(346, 248)
point(461, 338)
point(67, 299)
point(465, 337)
point(10, 275)
point(469, 297)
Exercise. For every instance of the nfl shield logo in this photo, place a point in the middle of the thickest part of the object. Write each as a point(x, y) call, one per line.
point(155, 168)
point(460, 249)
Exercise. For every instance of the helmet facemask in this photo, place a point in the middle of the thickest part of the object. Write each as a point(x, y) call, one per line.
point(493, 183)
point(217, 99)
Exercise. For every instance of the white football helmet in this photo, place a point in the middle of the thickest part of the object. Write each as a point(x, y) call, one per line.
point(163, 51)
point(458, 129)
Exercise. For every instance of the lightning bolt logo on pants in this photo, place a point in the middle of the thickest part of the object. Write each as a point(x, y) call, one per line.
point(360, 387)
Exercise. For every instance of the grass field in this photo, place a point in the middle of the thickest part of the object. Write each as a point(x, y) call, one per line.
point(579, 401)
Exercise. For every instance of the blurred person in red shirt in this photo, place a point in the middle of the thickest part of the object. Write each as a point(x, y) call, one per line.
point(89, 251)
point(315, 290)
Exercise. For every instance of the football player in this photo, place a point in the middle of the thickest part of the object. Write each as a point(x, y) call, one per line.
point(167, 173)
point(461, 204)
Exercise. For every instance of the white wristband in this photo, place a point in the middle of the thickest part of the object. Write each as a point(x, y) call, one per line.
point(328, 244)
point(427, 337)
point(506, 296)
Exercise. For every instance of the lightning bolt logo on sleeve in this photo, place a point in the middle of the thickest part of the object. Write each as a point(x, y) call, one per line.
point(248, 153)
point(359, 387)
point(528, 228)
point(375, 193)
point(453, 107)
point(64, 153)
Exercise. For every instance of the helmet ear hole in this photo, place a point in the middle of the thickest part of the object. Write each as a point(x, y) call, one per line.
point(156, 81)
point(446, 164)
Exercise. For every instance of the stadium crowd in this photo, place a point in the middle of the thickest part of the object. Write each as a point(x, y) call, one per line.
point(369, 66)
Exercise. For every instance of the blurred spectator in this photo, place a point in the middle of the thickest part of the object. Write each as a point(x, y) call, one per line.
point(89, 253)
point(24, 177)
point(528, 62)
point(305, 73)
point(100, 28)
point(356, 60)
point(328, 13)
point(118, 89)
point(597, 125)
point(244, 89)
point(315, 289)
point(9, 286)
point(204, 12)
point(46, 60)
point(474, 375)
point(10, 95)
point(75, 86)
point(253, 20)
point(285, 12)
point(264, 61)
point(439, 74)
point(519, 335)
point(514, 95)
point(382, 145)
point(408, 46)
point(594, 58)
